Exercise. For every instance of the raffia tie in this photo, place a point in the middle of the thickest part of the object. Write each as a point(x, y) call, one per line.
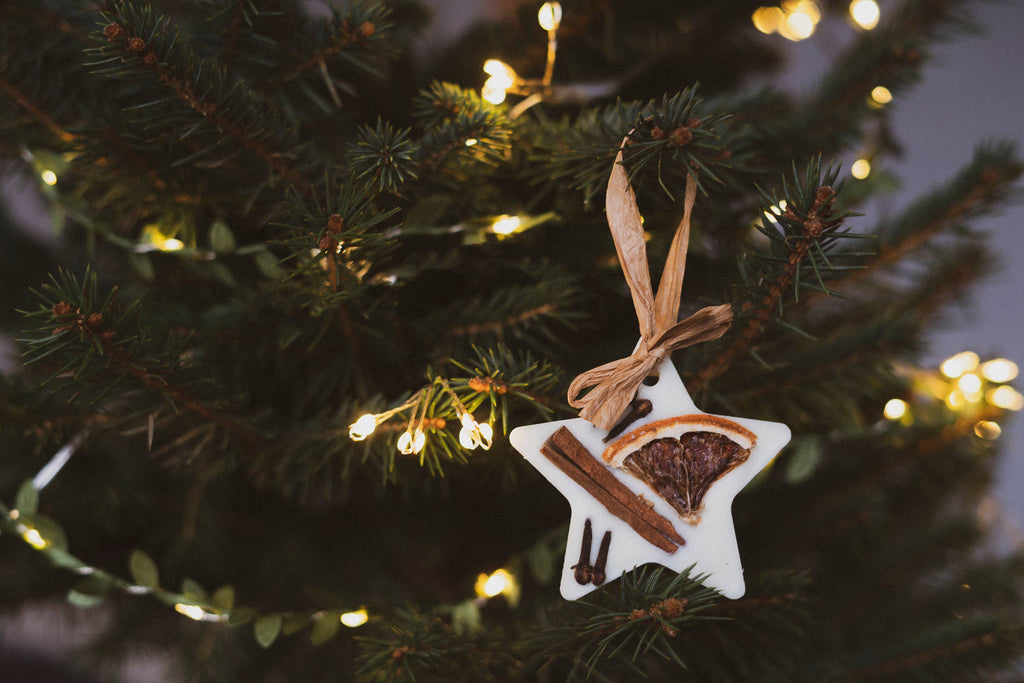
point(613, 385)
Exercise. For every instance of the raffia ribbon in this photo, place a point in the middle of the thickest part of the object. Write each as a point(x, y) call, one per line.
point(613, 385)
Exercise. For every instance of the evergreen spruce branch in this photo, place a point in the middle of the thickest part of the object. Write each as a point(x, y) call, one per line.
point(892, 55)
point(808, 223)
point(460, 126)
point(36, 112)
point(384, 156)
point(136, 41)
point(363, 29)
point(74, 323)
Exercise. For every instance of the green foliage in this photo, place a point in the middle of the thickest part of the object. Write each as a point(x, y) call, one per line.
point(359, 232)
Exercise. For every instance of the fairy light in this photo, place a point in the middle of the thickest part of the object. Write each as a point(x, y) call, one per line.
point(34, 538)
point(49, 177)
point(798, 26)
point(194, 612)
point(999, 370)
point(153, 239)
point(768, 19)
point(796, 20)
point(471, 141)
point(355, 619)
point(411, 441)
point(502, 78)
point(498, 582)
point(1005, 397)
point(865, 13)
point(860, 169)
point(988, 430)
point(954, 366)
point(506, 225)
point(881, 95)
point(473, 434)
point(363, 427)
point(895, 408)
point(970, 385)
point(550, 16)
point(956, 399)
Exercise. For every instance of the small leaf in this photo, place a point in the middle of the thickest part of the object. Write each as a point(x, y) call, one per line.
point(143, 569)
point(241, 615)
point(297, 621)
point(224, 597)
point(90, 591)
point(193, 592)
point(26, 502)
point(222, 240)
point(266, 629)
point(325, 629)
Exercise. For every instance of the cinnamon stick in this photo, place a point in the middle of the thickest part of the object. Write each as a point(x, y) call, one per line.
point(571, 457)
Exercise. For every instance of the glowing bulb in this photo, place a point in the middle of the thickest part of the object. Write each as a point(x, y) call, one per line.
point(861, 169)
point(34, 539)
point(767, 19)
point(506, 225)
point(895, 408)
point(471, 141)
point(954, 366)
point(986, 429)
point(798, 26)
point(550, 16)
point(881, 95)
point(363, 427)
point(956, 400)
point(497, 583)
point(999, 370)
point(1006, 398)
point(49, 177)
point(500, 70)
point(191, 611)
point(970, 385)
point(354, 619)
point(411, 442)
point(865, 13)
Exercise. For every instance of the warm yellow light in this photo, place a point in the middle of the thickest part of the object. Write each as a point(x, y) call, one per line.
point(956, 400)
point(895, 408)
point(986, 429)
point(14, 514)
point(354, 619)
point(506, 225)
point(500, 70)
point(861, 169)
point(767, 19)
point(798, 26)
point(954, 366)
point(550, 16)
point(1006, 398)
point(471, 141)
point(34, 539)
point(970, 385)
point(363, 427)
point(865, 13)
point(881, 95)
point(492, 92)
point(999, 370)
point(497, 583)
point(191, 611)
point(49, 177)
point(411, 442)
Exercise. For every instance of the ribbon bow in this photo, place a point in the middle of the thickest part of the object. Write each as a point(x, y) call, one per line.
point(615, 384)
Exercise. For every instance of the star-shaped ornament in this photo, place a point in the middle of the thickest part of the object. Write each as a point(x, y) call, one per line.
point(659, 491)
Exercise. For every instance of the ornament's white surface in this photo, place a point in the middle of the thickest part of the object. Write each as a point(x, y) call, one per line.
point(710, 545)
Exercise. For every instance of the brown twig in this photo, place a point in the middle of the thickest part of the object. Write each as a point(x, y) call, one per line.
point(566, 452)
point(45, 119)
point(759, 314)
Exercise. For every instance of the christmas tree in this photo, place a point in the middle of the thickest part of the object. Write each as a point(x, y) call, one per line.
point(313, 269)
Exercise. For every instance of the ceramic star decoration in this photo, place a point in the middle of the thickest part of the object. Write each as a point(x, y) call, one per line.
point(710, 542)
point(643, 469)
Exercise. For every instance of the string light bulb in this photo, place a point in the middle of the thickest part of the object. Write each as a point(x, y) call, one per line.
point(895, 408)
point(411, 441)
point(502, 78)
point(194, 612)
point(881, 95)
point(34, 538)
point(865, 13)
point(550, 16)
point(796, 20)
point(498, 582)
point(988, 430)
point(1005, 397)
point(860, 169)
point(956, 365)
point(363, 427)
point(49, 177)
point(355, 619)
point(999, 370)
point(506, 225)
point(473, 434)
